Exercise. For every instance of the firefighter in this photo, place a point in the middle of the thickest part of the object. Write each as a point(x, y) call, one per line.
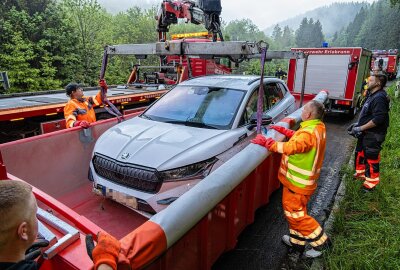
point(79, 110)
point(302, 158)
point(280, 74)
point(371, 131)
point(18, 226)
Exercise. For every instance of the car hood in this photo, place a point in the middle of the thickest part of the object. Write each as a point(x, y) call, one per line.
point(163, 146)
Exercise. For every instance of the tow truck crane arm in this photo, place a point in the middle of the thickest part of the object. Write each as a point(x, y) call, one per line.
point(236, 50)
point(205, 12)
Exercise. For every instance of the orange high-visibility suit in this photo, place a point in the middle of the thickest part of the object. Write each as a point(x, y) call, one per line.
point(81, 110)
point(302, 158)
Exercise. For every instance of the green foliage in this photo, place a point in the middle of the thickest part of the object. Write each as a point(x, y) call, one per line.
point(332, 17)
point(366, 228)
point(45, 44)
point(309, 34)
point(374, 27)
point(244, 29)
point(27, 51)
point(395, 2)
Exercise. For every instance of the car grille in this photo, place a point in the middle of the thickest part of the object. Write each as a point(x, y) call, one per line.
point(127, 175)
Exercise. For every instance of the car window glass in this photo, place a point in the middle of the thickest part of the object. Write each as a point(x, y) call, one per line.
point(274, 94)
point(188, 105)
point(283, 89)
point(251, 107)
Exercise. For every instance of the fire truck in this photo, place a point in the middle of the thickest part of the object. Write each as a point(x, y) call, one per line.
point(387, 61)
point(341, 71)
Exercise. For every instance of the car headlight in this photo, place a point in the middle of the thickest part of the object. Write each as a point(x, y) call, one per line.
point(196, 170)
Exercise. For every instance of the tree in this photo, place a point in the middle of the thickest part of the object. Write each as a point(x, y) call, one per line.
point(277, 35)
point(394, 2)
point(318, 37)
point(87, 19)
point(28, 49)
point(301, 34)
point(243, 29)
point(287, 38)
point(309, 33)
point(355, 26)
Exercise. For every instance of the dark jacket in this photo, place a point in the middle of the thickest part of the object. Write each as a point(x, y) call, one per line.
point(376, 108)
point(21, 265)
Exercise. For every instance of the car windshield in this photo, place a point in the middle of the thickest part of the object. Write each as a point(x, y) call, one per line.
point(198, 106)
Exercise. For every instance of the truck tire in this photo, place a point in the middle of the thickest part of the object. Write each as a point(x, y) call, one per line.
point(352, 112)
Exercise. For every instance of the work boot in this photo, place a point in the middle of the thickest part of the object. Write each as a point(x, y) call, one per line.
point(286, 240)
point(367, 190)
point(312, 253)
point(359, 176)
point(316, 252)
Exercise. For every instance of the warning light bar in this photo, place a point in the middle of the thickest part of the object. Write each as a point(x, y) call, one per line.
point(191, 35)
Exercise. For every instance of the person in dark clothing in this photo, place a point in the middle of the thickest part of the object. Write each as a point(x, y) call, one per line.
point(371, 130)
point(18, 226)
point(280, 74)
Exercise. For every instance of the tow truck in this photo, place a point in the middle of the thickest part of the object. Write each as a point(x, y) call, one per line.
point(340, 70)
point(387, 61)
point(198, 227)
point(29, 114)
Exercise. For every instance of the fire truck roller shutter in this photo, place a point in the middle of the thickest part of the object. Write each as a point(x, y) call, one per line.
point(323, 72)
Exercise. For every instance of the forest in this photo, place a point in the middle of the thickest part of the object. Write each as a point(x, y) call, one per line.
point(45, 44)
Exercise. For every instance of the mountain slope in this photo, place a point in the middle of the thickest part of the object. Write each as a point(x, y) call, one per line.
point(333, 17)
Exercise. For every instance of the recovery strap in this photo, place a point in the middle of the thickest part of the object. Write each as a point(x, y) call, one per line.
point(260, 101)
point(110, 108)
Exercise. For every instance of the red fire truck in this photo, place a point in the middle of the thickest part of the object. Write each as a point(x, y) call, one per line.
point(341, 71)
point(387, 60)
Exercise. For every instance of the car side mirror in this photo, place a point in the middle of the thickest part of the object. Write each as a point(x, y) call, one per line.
point(265, 120)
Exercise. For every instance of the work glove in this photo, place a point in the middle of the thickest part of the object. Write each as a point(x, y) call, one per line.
point(106, 251)
point(103, 84)
point(84, 124)
point(259, 139)
point(354, 131)
point(287, 132)
point(269, 143)
point(34, 250)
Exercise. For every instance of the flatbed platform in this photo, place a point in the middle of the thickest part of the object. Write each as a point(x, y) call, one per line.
point(40, 103)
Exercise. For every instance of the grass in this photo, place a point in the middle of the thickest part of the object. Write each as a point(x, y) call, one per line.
point(366, 230)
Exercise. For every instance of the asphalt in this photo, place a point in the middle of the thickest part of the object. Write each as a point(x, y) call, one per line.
point(260, 246)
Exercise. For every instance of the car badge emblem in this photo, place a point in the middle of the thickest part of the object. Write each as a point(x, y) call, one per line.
point(125, 155)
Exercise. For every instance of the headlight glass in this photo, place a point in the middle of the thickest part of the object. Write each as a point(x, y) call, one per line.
point(196, 170)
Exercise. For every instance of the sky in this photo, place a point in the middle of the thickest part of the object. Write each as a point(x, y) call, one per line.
point(265, 13)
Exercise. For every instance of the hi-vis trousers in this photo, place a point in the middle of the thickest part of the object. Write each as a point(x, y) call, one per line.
point(302, 227)
point(367, 159)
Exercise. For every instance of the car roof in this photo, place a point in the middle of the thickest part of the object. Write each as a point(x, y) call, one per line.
point(241, 82)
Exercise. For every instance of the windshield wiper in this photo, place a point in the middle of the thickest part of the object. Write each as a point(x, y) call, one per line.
point(146, 117)
point(191, 124)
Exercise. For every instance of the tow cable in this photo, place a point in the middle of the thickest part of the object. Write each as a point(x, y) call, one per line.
point(260, 100)
point(108, 106)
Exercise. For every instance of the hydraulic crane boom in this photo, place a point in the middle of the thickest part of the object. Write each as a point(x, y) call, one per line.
point(234, 50)
point(205, 12)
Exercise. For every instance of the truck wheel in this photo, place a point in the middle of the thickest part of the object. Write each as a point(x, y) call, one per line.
point(352, 112)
